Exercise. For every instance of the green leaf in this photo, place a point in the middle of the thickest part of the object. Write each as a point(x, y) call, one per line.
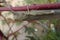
point(54, 21)
point(29, 30)
point(33, 38)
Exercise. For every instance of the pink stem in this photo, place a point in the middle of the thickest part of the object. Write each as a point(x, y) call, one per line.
point(33, 7)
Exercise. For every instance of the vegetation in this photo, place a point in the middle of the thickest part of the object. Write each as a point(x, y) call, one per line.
point(50, 35)
point(40, 1)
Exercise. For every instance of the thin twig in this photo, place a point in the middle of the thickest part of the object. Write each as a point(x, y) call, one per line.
point(14, 32)
point(7, 23)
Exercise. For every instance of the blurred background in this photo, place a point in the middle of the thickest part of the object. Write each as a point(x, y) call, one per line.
point(29, 25)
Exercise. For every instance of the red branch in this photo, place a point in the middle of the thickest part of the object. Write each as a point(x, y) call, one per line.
point(33, 7)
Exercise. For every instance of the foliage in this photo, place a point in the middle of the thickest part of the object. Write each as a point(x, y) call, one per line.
point(49, 36)
point(58, 0)
point(40, 1)
point(31, 30)
point(52, 35)
point(33, 38)
point(54, 21)
point(36, 1)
